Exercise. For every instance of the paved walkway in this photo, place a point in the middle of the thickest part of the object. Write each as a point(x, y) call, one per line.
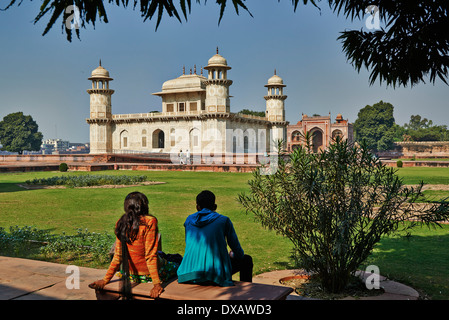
point(392, 290)
point(23, 279)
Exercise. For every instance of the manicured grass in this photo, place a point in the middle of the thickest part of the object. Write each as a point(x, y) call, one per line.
point(420, 260)
point(423, 159)
point(430, 175)
point(66, 210)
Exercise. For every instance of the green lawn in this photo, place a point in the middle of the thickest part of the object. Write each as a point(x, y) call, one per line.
point(422, 159)
point(66, 210)
point(420, 260)
point(430, 175)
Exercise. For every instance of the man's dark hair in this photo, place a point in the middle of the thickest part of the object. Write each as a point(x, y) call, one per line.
point(206, 199)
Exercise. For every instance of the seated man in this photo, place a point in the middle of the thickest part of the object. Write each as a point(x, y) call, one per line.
point(206, 258)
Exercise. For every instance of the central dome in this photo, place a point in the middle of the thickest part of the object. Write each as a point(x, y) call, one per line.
point(184, 83)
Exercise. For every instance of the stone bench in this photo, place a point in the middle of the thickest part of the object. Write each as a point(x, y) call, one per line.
point(177, 291)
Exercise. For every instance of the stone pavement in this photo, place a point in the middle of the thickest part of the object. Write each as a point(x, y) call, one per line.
point(393, 290)
point(23, 279)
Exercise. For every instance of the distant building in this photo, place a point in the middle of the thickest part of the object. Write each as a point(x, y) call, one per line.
point(50, 146)
point(323, 130)
point(78, 148)
point(195, 116)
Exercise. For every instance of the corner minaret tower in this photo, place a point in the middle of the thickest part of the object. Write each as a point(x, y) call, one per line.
point(275, 111)
point(100, 112)
point(275, 99)
point(217, 85)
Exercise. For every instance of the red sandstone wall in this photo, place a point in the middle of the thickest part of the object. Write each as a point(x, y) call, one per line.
point(429, 149)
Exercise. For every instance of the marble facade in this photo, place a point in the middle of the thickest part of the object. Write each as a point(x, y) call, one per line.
point(195, 116)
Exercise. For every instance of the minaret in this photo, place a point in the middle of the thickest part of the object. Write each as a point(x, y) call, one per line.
point(275, 98)
point(217, 85)
point(275, 111)
point(100, 112)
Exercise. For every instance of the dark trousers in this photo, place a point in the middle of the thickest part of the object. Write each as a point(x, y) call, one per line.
point(244, 266)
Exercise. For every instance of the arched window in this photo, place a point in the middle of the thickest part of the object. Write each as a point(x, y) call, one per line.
point(337, 133)
point(194, 139)
point(262, 142)
point(245, 144)
point(249, 141)
point(172, 137)
point(296, 136)
point(124, 139)
point(234, 144)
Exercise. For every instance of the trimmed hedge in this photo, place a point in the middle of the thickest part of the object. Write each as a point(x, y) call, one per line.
point(88, 180)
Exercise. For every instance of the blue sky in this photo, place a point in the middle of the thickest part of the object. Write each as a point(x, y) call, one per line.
point(46, 76)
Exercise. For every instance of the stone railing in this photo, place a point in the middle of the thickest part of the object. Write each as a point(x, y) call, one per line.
point(154, 115)
point(250, 116)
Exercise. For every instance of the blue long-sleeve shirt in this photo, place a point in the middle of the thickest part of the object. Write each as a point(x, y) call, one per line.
point(206, 257)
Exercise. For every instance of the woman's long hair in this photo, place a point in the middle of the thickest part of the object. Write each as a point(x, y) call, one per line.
point(136, 206)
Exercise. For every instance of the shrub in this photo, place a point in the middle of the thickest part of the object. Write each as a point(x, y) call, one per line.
point(96, 245)
point(63, 167)
point(399, 164)
point(88, 180)
point(335, 206)
point(83, 242)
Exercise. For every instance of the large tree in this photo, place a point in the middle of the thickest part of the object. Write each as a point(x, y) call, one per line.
point(413, 45)
point(19, 133)
point(422, 129)
point(375, 125)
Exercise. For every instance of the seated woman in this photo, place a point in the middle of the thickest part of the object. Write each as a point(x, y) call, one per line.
point(137, 245)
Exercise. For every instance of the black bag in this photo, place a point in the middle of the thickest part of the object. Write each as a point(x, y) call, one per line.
point(172, 257)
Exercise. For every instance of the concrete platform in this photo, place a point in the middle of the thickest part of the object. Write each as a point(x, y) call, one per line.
point(23, 279)
point(392, 290)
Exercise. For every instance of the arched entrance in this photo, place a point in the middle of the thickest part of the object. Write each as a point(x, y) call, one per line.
point(317, 140)
point(158, 139)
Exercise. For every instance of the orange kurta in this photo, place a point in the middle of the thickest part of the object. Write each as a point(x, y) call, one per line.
point(142, 252)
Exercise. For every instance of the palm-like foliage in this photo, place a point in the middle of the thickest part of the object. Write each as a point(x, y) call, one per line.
point(413, 45)
point(89, 11)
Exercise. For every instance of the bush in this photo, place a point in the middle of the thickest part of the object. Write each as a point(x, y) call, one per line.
point(335, 206)
point(96, 245)
point(88, 180)
point(63, 167)
point(399, 163)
